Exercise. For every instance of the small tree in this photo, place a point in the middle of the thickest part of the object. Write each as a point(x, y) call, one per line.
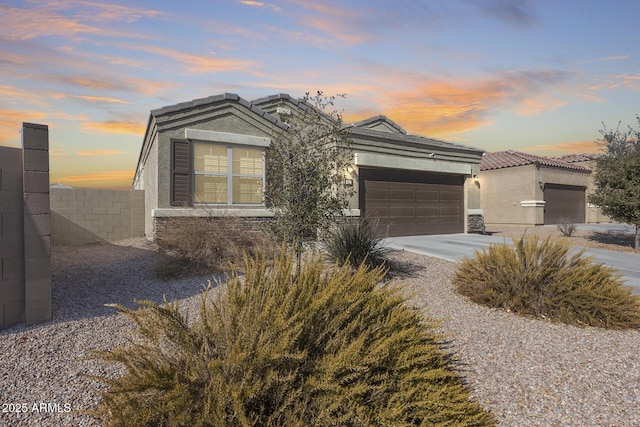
point(305, 170)
point(617, 177)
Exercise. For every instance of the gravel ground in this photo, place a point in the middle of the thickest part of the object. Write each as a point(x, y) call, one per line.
point(526, 371)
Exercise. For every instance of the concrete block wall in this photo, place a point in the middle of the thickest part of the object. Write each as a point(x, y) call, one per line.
point(85, 216)
point(25, 232)
point(11, 237)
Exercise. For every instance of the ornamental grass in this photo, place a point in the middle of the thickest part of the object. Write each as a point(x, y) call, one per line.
point(544, 278)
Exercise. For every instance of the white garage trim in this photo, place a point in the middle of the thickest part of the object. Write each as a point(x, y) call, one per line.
point(532, 203)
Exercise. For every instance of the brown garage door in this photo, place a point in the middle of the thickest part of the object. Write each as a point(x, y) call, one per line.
point(412, 203)
point(563, 203)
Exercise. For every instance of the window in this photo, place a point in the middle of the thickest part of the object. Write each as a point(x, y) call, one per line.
point(232, 175)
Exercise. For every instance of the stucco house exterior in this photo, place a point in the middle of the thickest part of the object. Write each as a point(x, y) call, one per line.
point(524, 189)
point(207, 157)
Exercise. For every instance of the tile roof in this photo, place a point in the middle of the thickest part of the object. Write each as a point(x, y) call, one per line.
point(579, 157)
point(216, 99)
point(255, 107)
point(510, 158)
point(416, 139)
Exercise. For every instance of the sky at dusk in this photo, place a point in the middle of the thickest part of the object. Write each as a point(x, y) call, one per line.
point(539, 76)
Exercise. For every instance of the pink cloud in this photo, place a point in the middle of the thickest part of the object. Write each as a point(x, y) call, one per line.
point(116, 126)
point(49, 19)
point(102, 99)
point(11, 122)
point(200, 64)
point(567, 147)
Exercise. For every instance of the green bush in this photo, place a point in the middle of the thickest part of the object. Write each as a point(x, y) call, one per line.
point(322, 348)
point(205, 245)
point(356, 242)
point(541, 278)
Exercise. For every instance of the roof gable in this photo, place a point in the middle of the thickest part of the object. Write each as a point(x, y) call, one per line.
point(192, 107)
point(510, 158)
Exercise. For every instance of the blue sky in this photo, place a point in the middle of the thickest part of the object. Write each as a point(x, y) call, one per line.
point(538, 76)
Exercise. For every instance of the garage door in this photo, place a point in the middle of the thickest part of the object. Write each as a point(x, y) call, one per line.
point(409, 203)
point(563, 202)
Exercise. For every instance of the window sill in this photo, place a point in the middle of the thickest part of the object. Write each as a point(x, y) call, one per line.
point(248, 212)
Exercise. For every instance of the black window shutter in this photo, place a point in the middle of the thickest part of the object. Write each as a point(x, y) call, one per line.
point(180, 173)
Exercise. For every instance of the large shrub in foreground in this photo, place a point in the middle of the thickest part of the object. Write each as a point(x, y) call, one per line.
point(542, 278)
point(321, 348)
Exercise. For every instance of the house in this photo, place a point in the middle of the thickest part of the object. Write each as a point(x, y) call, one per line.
point(207, 157)
point(593, 214)
point(525, 189)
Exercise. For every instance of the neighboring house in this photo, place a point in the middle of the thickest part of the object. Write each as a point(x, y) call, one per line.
point(593, 213)
point(207, 157)
point(525, 189)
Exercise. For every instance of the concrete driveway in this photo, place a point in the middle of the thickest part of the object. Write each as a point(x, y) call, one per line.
point(454, 247)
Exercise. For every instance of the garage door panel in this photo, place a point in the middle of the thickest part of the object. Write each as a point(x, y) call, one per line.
point(564, 203)
point(411, 203)
point(449, 212)
point(426, 196)
point(427, 211)
point(402, 211)
point(377, 193)
point(453, 196)
point(378, 212)
point(401, 196)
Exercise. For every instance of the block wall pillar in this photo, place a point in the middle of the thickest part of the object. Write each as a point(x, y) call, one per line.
point(11, 237)
point(37, 223)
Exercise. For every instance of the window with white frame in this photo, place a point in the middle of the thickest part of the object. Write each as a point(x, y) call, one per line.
point(228, 174)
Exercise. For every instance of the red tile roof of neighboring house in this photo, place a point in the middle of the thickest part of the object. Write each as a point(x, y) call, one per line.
point(508, 159)
point(580, 157)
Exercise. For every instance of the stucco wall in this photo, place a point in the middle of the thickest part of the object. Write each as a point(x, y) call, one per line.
point(150, 187)
point(502, 192)
point(474, 196)
point(564, 177)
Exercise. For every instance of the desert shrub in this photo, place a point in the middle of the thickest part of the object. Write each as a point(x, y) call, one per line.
point(566, 227)
point(356, 242)
point(203, 245)
point(541, 278)
point(320, 348)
